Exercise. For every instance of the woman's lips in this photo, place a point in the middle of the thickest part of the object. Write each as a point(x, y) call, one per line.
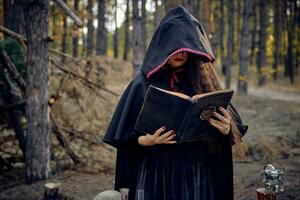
point(178, 59)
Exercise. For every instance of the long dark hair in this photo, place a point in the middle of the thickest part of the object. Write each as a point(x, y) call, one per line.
point(205, 79)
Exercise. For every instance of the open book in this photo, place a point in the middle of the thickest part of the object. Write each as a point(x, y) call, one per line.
point(186, 115)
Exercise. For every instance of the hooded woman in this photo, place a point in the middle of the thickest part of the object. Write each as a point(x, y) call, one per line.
point(179, 58)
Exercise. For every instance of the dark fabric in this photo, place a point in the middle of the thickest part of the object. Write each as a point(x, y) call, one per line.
point(121, 126)
point(194, 171)
point(201, 170)
point(187, 171)
point(182, 115)
point(177, 31)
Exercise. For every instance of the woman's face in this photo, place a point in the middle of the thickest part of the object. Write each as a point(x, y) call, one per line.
point(178, 59)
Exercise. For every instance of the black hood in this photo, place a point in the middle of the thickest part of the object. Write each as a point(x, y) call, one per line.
point(178, 31)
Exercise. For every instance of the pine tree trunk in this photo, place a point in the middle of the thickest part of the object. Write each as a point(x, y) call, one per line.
point(64, 37)
point(101, 31)
point(206, 16)
point(38, 138)
point(116, 33)
point(75, 35)
point(277, 36)
point(230, 6)
point(237, 35)
point(221, 25)
point(238, 18)
point(291, 22)
point(244, 46)
point(215, 30)
point(156, 15)
point(12, 95)
point(54, 25)
point(83, 38)
point(13, 16)
point(137, 37)
point(144, 27)
point(170, 4)
point(253, 34)
point(90, 26)
point(262, 42)
point(192, 6)
point(126, 42)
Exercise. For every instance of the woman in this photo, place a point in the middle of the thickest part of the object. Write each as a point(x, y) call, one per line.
point(179, 58)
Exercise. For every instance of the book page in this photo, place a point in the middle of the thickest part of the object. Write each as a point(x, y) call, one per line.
point(199, 96)
point(179, 94)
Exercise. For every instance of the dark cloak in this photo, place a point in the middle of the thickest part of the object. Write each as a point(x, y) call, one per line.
point(178, 31)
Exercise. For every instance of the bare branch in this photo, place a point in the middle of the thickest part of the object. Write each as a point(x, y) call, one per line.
point(63, 141)
point(63, 54)
point(13, 34)
point(11, 68)
point(91, 138)
point(69, 12)
point(59, 65)
point(6, 163)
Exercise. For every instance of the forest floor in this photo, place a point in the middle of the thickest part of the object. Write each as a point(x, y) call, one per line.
point(273, 137)
point(273, 116)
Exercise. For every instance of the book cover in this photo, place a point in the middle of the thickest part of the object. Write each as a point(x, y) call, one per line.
point(186, 115)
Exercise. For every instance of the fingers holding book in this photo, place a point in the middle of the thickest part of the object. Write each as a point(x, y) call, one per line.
point(157, 138)
point(160, 131)
point(223, 122)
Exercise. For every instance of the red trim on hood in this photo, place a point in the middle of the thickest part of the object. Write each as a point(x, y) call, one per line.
point(177, 51)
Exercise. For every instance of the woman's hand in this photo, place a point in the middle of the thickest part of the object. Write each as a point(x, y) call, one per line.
point(157, 138)
point(223, 124)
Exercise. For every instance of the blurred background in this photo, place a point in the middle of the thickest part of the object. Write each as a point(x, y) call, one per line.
point(95, 47)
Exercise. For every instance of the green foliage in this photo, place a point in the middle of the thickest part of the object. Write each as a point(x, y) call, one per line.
point(16, 54)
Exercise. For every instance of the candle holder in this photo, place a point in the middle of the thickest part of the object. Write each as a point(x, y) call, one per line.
point(273, 183)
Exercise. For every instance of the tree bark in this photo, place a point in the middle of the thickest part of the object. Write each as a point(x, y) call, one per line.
point(170, 4)
point(83, 39)
point(64, 37)
point(253, 33)
point(192, 7)
point(244, 46)
point(75, 33)
point(206, 16)
point(237, 35)
point(291, 24)
point(13, 16)
point(144, 25)
point(137, 37)
point(214, 29)
point(126, 42)
point(221, 25)
point(262, 62)
point(53, 191)
point(157, 15)
point(230, 36)
point(101, 31)
point(90, 26)
point(277, 35)
point(38, 138)
point(54, 19)
point(116, 33)
point(13, 100)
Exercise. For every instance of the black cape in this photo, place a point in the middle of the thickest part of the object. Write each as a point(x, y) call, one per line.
point(178, 31)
